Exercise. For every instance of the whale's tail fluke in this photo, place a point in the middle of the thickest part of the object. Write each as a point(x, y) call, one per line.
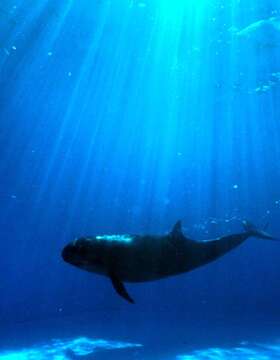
point(254, 231)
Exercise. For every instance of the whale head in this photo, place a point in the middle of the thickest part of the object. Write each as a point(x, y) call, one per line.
point(85, 253)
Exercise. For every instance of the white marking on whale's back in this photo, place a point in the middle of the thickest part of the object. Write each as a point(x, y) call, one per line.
point(119, 238)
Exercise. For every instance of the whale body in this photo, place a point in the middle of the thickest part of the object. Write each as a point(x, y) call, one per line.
point(141, 258)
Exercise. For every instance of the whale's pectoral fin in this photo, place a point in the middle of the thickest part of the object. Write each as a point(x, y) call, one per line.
point(120, 288)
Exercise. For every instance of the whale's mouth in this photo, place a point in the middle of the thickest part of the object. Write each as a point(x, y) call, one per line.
point(69, 255)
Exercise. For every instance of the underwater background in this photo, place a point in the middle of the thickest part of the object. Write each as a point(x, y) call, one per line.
point(124, 116)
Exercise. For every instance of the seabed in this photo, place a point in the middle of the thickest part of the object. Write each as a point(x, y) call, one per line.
point(86, 348)
point(102, 349)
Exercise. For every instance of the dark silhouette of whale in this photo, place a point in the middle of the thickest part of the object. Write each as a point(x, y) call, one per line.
point(140, 258)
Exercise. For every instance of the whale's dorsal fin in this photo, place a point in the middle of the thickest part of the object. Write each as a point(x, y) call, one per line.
point(177, 230)
point(176, 234)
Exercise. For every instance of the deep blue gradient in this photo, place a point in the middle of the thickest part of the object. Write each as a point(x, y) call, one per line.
point(123, 117)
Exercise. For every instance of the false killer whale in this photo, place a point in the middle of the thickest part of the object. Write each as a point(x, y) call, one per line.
point(140, 258)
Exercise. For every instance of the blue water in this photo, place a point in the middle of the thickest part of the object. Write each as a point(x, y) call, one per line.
point(123, 117)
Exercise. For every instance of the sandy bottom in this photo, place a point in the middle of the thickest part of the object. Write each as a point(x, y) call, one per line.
point(89, 348)
point(80, 338)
